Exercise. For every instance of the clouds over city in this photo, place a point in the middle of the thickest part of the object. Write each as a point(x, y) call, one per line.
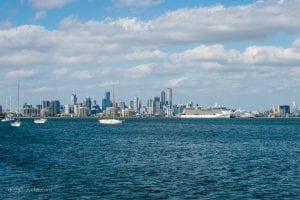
point(177, 48)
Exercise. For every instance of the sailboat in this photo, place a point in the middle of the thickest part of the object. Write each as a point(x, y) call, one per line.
point(41, 120)
point(113, 120)
point(8, 116)
point(17, 123)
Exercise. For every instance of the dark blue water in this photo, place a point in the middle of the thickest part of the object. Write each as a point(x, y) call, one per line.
point(151, 159)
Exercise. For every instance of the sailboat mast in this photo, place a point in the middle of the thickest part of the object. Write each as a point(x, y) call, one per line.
point(18, 97)
point(114, 106)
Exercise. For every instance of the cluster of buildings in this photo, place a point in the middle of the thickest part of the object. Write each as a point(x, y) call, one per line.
point(158, 106)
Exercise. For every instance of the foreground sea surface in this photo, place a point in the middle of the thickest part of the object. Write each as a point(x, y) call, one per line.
point(151, 159)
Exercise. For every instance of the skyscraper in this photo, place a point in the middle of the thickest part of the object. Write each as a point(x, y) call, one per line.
point(156, 106)
point(169, 98)
point(88, 102)
point(106, 103)
point(136, 104)
point(163, 98)
point(150, 107)
point(73, 99)
point(54, 107)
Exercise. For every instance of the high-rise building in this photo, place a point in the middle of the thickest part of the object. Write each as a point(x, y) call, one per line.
point(156, 106)
point(106, 103)
point(1, 109)
point(150, 106)
point(73, 99)
point(131, 104)
point(67, 109)
point(45, 104)
point(169, 98)
point(88, 102)
point(294, 108)
point(163, 98)
point(95, 108)
point(54, 107)
point(136, 104)
point(122, 105)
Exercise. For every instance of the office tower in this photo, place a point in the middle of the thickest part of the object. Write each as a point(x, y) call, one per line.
point(73, 99)
point(169, 97)
point(163, 98)
point(45, 104)
point(67, 109)
point(294, 108)
point(95, 108)
point(122, 105)
point(136, 104)
point(150, 106)
point(83, 111)
point(88, 102)
point(156, 106)
point(106, 103)
point(131, 104)
point(1, 109)
point(54, 107)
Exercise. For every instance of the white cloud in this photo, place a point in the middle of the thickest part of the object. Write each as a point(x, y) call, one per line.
point(22, 73)
point(40, 15)
point(174, 83)
point(5, 25)
point(138, 3)
point(48, 4)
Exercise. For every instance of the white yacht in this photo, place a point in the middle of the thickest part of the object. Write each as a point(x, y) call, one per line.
point(17, 123)
point(113, 120)
point(41, 120)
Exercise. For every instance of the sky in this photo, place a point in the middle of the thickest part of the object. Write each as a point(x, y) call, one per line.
point(241, 54)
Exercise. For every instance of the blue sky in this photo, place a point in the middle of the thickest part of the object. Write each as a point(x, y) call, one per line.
point(237, 53)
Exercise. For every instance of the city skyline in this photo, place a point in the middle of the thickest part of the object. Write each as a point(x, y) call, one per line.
point(217, 51)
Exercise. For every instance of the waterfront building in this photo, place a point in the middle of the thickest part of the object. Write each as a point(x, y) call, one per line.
point(122, 105)
point(73, 99)
point(169, 97)
point(136, 104)
point(54, 107)
point(156, 106)
point(88, 102)
point(45, 104)
point(67, 109)
point(150, 106)
point(131, 103)
point(76, 110)
point(95, 108)
point(29, 111)
point(106, 103)
point(163, 98)
point(1, 111)
point(294, 109)
point(83, 111)
point(281, 110)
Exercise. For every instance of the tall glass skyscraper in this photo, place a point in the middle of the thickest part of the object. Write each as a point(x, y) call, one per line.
point(106, 103)
point(169, 98)
point(73, 99)
point(163, 98)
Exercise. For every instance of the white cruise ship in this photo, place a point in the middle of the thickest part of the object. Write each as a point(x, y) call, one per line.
point(213, 112)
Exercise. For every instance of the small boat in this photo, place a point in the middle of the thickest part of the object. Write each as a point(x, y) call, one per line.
point(113, 120)
point(17, 123)
point(110, 121)
point(8, 120)
point(40, 121)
